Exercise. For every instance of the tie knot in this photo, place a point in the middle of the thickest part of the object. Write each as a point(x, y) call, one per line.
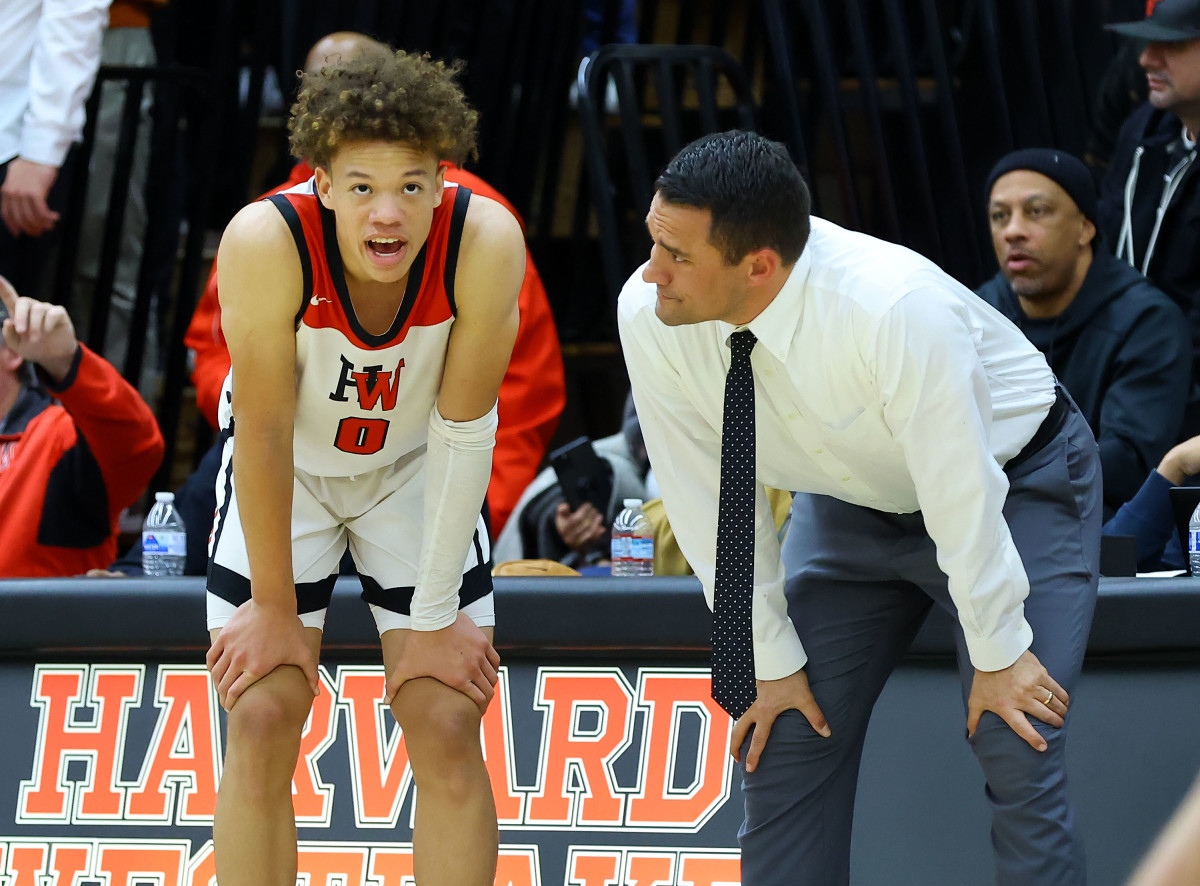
point(741, 343)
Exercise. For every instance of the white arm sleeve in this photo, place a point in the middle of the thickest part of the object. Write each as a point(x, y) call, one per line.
point(457, 469)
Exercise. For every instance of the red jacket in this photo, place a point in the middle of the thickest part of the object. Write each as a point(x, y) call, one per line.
point(69, 466)
point(532, 394)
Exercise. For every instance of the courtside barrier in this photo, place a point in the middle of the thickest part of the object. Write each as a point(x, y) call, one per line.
point(608, 758)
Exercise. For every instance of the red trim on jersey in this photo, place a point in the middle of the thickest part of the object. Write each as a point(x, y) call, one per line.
point(325, 308)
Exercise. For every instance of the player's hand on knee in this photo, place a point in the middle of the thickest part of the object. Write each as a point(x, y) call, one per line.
point(459, 655)
point(1024, 687)
point(254, 642)
point(775, 697)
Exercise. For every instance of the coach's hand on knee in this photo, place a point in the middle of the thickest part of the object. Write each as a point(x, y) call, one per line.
point(1024, 687)
point(459, 656)
point(775, 697)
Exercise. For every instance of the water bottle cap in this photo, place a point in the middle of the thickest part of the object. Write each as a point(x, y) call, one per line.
point(632, 502)
point(164, 496)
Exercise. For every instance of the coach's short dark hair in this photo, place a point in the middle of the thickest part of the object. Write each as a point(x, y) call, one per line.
point(757, 196)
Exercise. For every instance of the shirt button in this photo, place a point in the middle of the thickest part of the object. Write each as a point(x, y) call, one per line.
point(845, 479)
point(818, 451)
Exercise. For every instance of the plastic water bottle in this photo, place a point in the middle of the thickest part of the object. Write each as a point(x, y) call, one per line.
point(632, 541)
point(164, 539)
point(1194, 542)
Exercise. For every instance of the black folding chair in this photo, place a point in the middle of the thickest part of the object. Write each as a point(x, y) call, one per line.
point(666, 96)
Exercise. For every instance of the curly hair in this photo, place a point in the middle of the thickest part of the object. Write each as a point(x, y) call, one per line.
point(383, 96)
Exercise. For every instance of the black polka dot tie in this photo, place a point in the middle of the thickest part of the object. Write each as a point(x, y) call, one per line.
point(733, 685)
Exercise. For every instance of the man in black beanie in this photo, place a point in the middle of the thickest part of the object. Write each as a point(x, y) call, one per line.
point(1119, 345)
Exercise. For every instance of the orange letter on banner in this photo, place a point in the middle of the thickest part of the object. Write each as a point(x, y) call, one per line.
point(27, 865)
point(58, 691)
point(497, 752)
point(658, 804)
point(594, 868)
point(312, 798)
point(127, 864)
point(327, 865)
point(69, 862)
point(378, 784)
point(710, 870)
point(562, 695)
point(183, 749)
point(649, 870)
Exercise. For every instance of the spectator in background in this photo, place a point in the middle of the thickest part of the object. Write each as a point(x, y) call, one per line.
point(77, 445)
point(533, 392)
point(49, 53)
point(1149, 210)
point(1117, 344)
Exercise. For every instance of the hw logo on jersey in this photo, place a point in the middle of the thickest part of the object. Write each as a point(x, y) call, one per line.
point(372, 386)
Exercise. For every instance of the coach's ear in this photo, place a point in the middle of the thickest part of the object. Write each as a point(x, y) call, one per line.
point(762, 266)
point(323, 182)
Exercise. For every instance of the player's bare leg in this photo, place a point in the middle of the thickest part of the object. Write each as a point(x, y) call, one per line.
point(456, 838)
point(254, 832)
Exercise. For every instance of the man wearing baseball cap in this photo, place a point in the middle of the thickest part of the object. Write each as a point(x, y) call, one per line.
point(1149, 210)
point(1115, 342)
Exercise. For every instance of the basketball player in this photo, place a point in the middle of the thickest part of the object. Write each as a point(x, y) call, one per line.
point(369, 314)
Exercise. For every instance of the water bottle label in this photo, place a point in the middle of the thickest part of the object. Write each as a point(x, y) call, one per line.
point(164, 542)
point(641, 548)
point(1193, 540)
point(620, 548)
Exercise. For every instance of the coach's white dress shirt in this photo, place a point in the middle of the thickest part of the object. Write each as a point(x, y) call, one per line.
point(49, 55)
point(879, 380)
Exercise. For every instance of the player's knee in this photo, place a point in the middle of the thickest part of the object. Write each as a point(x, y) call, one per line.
point(443, 742)
point(265, 720)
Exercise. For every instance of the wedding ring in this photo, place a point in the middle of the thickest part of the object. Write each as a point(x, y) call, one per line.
point(1049, 697)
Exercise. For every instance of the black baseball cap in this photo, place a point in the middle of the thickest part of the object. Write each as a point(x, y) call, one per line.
point(1166, 21)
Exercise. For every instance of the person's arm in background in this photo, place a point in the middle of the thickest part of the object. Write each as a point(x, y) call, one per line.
point(66, 56)
point(1174, 859)
point(1149, 518)
point(532, 397)
point(120, 444)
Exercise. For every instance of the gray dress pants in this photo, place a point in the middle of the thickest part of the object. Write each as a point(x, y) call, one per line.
point(860, 584)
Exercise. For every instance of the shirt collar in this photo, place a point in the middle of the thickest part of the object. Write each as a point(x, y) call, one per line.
point(775, 326)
